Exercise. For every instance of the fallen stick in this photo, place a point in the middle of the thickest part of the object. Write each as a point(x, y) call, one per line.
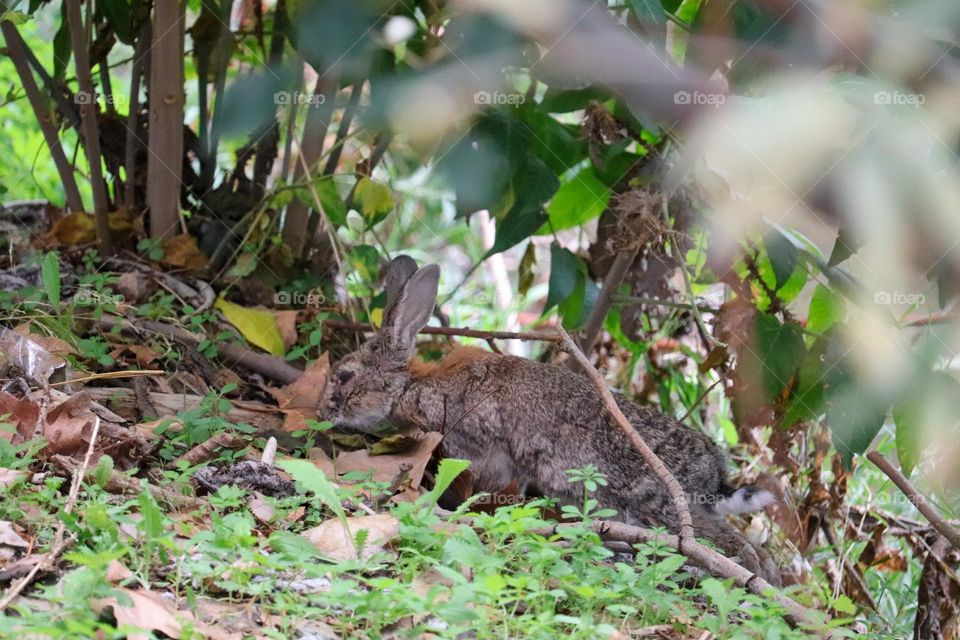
point(272, 367)
point(121, 483)
point(705, 558)
point(919, 501)
point(685, 543)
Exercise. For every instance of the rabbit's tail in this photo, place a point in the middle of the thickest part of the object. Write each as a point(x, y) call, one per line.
point(742, 500)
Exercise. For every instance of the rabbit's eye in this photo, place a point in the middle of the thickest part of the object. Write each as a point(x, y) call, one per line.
point(345, 376)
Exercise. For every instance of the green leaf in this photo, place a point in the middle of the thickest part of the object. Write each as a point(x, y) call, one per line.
point(481, 165)
point(567, 100)
point(151, 520)
point(291, 545)
point(365, 259)
point(534, 183)
point(375, 200)
point(257, 326)
point(564, 266)
point(61, 46)
point(331, 201)
point(581, 198)
point(826, 310)
point(844, 604)
point(50, 274)
point(306, 474)
point(559, 145)
point(118, 16)
point(782, 254)
point(780, 349)
point(854, 412)
point(447, 472)
point(806, 402)
point(845, 246)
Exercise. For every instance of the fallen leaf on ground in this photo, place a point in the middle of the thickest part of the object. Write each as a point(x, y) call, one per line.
point(10, 537)
point(334, 542)
point(182, 251)
point(287, 324)
point(117, 573)
point(9, 476)
point(387, 468)
point(320, 458)
point(258, 326)
point(261, 509)
point(306, 391)
point(150, 611)
point(23, 417)
point(28, 355)
point(69, 425)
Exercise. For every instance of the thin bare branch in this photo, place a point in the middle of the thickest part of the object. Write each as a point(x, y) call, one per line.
point(918, 499)
point(450, 331)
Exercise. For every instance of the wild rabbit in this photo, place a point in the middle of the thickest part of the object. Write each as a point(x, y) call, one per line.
point(525, 421)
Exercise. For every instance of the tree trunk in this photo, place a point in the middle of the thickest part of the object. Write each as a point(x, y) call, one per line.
point(165, 161)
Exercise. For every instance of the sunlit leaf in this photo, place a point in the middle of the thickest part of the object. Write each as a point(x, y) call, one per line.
point(257, 326)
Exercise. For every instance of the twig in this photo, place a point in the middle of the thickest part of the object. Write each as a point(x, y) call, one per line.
point(121, 483)
point(451, 331)
point(262, 363)
point(917, 498)
point(704, 557)
point(59, 543)
point(848, 566)
point(660, 302)
point(111, 375)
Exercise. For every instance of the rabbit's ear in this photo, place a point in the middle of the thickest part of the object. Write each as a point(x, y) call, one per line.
point(413, 308)
point(399, 271)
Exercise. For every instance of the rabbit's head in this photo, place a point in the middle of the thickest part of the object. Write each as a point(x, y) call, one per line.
point(364, 385)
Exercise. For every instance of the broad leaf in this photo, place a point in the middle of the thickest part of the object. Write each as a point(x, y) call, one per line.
point(782, 254)
point(780, 349)
point(374, 199)
point(257, 326)
point(564, 266)
point(826, 310)
point(581, 198)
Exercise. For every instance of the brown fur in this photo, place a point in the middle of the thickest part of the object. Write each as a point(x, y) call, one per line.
point(525, 421)
point(459, 356)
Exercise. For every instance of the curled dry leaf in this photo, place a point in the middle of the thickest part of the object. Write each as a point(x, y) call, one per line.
point(182, 251)
point(68, 425)
point(336, 543)
point(386, 468)
point(23, 417)
point(150, 611)
point(28, 355)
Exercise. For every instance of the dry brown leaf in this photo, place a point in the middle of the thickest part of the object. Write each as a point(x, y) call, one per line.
point(23, 416)
point(10, 537)
point(134, 287)
point(334, 542)
point(306, 391)
point(9, 476)
point(261, 508)
point(54, 345)
point(69, 424)
point(182, 251)
point(142, 354)
point(150, 611)
point(74, 228)
point(117, 573)
point(28, 355)
point(387, 468)
point(287, 324)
